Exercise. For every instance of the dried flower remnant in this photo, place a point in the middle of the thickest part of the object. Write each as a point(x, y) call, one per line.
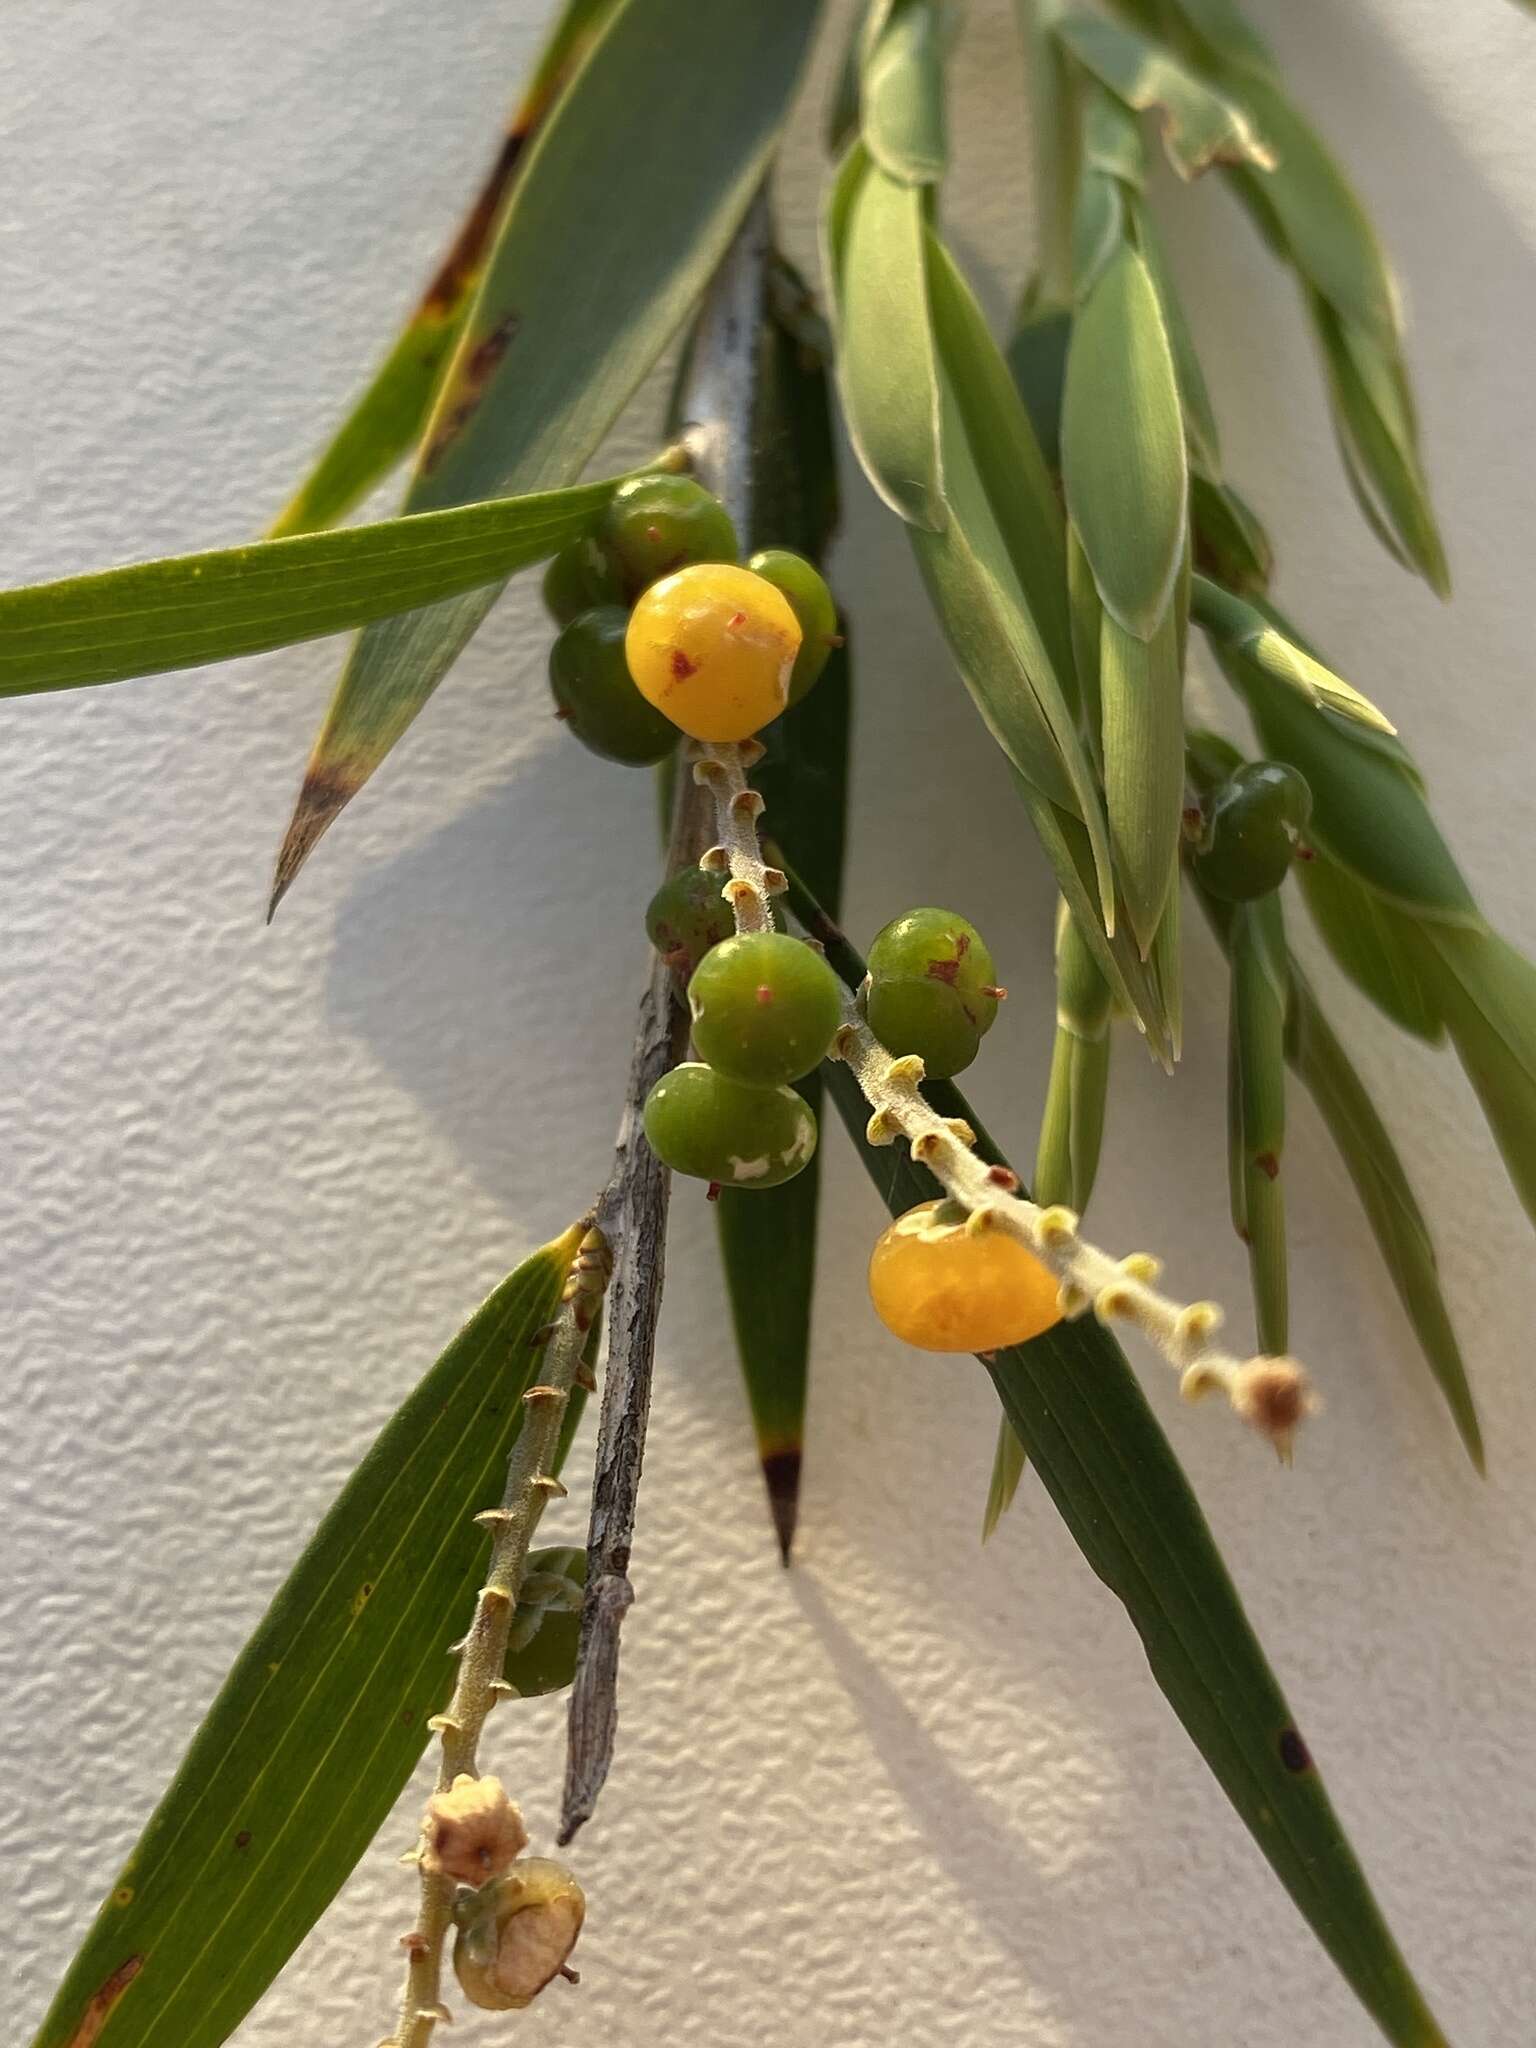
point(472, 1832)
point(516, 1933)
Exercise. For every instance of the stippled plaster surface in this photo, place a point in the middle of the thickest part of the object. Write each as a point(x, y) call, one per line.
point(911, 1792)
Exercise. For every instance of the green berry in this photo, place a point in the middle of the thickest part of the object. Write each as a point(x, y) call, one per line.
point(705, 1124)
point(687, 916)
point(655, 524)
point(765, 1008)
point(1254, 823)
point(579, 577)
point(596, 694)
point(811, 602)
point(931, 989)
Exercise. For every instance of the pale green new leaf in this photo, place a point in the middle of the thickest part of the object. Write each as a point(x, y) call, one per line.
point(1377, 945)
point(1141, 686)
point(190, 609)
point(1200, 429)
point(626, 203)
point(887, 372)
point(1199, 126)
point(1487, 994)
point(901, 89)
point(1122, 444)
point(1240, 626)
point(1256, 1106)
point(1008, 1463)
point(1397, 1223)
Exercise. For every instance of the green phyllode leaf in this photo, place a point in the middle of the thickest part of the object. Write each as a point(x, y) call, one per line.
point(1126, 480)
point(901, 88)
point(386, 421)
point(1085, 1426)
point(1256, 1106)
point(189, 609)
point(1199, 126)
point(1313, 221)
point(629, 196)
point(768, 1237)
point(324, 1715)
point(1316, 1055)
point(1009, 1460)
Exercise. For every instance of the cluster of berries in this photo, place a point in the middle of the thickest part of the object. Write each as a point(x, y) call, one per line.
point(663, 631)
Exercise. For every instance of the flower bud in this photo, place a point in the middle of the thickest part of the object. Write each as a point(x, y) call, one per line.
point(515, 1933)
point(472, 1832)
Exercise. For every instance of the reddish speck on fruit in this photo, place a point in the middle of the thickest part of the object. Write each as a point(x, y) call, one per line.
point(682, 667)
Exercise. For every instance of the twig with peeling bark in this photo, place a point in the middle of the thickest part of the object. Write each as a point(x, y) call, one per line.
point(717, 419)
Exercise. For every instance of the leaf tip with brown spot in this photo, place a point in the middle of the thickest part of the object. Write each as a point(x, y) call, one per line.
point(321, 800)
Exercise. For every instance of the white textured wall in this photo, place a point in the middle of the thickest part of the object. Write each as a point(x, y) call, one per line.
point(912, 1791)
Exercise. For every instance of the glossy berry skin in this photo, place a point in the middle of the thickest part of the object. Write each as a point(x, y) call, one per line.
point(811, 601)
point(655, 524)
point(578, 578)
point(705, 1124)
point(595, 693)
point(936, 1285)
point(765, 1008)
point(1254, 823)
point(713, 648)
point(931, 989)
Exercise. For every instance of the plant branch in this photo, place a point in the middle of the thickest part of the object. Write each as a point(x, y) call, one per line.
point(530, 1485)
point(717, 407)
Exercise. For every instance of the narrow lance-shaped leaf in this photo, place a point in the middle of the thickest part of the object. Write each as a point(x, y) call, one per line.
point(1122, 444)
point(1112, 1474)
point(190, 609)
point(386, 421)
point(325, 1713)
point(1245, 629)
point(768, 1238)
point(1141, 690)
point(1486, 992)
point(1313, 220)
point(1317, 1057)
point(1397, 1223)
point(887, 372)
point(1199, 126)
point(1374, 941)
point(1256, 1107)
point(1009, 1459)
point(629, 196)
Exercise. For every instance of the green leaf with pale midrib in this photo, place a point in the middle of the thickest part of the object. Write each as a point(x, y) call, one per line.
point(629, 196)
point(385, 422)
point(189, 609)
point(324, 1715)
point(1087, 1429)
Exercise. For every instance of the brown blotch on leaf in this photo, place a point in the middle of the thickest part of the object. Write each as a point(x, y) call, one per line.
point(99, 2009)
point(1268, 1164)
point(470, 387)
point(1294, 1753)
point(459, 270)
point(243, 1839)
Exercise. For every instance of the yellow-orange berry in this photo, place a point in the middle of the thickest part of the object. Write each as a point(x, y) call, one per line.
point(713, 648)
point(942, 1287)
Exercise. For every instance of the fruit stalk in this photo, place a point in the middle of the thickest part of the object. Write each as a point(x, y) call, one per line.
point(483, 1652)
point(1273, 1395)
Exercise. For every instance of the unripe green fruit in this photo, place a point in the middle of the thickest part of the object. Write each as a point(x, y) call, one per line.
point(765, 1008)
point(705, 1124)
point(811, 602)
point(596, 693)
point(1254, 823)
point(579, 577)
point(689, 914)
point(931, 989)
point(653, 525)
